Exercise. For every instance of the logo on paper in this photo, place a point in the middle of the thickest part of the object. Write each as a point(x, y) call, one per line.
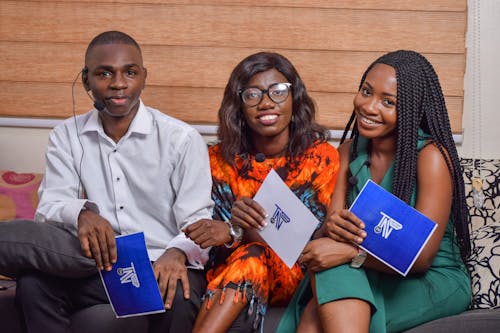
point(386, 225)
point(279, 217)
point(128, 275)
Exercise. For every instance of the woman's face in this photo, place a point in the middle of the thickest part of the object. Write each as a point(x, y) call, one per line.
point(268, 119)
point(375, 103)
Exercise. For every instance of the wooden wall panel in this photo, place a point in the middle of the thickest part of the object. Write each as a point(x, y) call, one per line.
point(430, 5)
point(194, 105)
point(326, 71)
point(190, 47)
point(331, 29)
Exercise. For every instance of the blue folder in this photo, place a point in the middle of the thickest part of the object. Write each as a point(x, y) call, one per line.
point(131, 285)
point(396, 232)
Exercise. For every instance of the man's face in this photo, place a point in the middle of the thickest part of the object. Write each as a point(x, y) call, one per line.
point(116, 77)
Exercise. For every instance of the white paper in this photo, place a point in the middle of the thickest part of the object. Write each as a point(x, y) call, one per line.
point(290, 223)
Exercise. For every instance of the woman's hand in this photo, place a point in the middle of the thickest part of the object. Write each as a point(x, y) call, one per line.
point(324, 253)
point(343, 226)
point(247, 213)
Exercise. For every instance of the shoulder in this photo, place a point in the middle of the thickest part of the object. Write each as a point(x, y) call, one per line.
point(433, 161)
point(170, 125)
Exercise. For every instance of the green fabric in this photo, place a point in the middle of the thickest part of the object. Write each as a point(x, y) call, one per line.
point(398, 303)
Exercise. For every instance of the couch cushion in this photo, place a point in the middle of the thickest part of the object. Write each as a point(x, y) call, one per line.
point(18, 194)
point(484, 267)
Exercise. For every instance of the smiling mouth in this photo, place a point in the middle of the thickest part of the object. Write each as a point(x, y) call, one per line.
point(367, 121)
point(269, 117)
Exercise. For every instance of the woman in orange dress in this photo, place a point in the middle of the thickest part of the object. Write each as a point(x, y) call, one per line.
point(266, 121)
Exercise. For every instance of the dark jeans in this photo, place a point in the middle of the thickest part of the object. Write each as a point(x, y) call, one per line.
point(47, 302)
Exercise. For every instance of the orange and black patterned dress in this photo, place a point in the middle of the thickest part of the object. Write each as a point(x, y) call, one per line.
point(254, 269)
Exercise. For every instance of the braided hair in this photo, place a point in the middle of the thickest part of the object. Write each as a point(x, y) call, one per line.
point(420, 104)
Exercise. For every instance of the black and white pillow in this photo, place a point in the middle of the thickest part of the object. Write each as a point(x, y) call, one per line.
point(484, 261)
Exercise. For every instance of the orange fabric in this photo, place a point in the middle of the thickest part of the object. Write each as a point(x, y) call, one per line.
point(311, 177)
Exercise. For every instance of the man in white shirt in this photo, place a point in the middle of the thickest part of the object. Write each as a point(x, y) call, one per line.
point(118, 169)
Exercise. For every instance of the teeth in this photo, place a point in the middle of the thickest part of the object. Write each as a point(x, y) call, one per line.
point(269, 117)
point(368, 121)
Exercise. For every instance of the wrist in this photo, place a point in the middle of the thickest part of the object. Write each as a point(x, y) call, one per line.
point(235, 234)
point(359, 259)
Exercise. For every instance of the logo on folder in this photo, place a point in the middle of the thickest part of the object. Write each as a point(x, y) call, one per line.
point(386, 225)
point(128, 275)
point(279, 217)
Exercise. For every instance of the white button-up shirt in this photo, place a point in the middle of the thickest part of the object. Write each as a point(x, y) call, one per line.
point(156, 179)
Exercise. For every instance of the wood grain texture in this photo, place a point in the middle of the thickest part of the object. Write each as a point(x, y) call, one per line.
point(439, 5)
point(326, 71)
point(194, 105)
point(191, 46)
point(245, 26)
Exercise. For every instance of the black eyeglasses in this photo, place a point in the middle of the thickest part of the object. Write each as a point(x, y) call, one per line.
point(277, 92)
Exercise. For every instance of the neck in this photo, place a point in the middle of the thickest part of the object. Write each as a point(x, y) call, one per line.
point(116, 127)
point(271, 147)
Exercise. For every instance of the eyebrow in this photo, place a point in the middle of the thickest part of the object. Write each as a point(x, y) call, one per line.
point(109, 67)
point(384, 93)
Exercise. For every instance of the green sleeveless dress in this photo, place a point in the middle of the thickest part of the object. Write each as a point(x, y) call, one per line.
point(398, 303)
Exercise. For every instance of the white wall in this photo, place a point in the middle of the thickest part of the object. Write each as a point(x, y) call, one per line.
point(22, 149)
point(481, 135)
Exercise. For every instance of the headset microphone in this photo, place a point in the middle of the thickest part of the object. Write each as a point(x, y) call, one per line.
point(99, 105)
point(260, 157)
point(353, 180)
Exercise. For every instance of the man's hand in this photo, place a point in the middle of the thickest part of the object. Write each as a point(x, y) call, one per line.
point(97, 239)
point(168, 269)
point(208, 233)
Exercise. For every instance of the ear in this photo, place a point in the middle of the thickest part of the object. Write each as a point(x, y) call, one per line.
point(145, 76)
point(85, 78)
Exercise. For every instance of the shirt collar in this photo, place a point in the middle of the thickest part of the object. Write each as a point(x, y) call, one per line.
point(142, 122)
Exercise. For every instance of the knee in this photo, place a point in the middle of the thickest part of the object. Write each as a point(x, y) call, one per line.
point(28, 286)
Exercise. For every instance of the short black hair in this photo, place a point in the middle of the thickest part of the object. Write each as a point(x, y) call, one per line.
point(111, 37)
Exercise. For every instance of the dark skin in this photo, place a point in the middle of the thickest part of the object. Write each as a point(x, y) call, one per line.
point(117, 77)
point(375, 107)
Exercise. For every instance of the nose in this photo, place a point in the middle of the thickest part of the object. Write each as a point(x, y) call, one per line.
point(369, 105)
point(266, 102)
point(119, 81)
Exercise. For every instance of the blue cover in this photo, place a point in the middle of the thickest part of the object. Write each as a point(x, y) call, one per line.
point(131, 284)
point(396, 232)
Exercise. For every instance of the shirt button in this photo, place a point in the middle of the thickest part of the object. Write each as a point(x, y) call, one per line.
point(121, 207)
point(114, 151)
point(117, 179)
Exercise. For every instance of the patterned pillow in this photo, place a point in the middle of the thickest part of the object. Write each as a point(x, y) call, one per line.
point(484, 267)
point(490, 175)
point(18, 194)
point(484, 262)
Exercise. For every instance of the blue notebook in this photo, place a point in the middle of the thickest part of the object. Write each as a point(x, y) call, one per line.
point(131, 284)
point(396, 232)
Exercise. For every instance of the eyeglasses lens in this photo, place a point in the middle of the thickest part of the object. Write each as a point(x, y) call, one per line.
point(277, 92)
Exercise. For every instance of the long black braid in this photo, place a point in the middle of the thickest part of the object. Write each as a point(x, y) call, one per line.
point(420, 104)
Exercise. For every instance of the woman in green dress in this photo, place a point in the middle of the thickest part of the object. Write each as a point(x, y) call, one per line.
point(401, 139)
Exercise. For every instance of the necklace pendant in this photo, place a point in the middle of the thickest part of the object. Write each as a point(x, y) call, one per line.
point(477, 192)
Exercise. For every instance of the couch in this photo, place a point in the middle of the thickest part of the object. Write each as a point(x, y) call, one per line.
point(18, 200)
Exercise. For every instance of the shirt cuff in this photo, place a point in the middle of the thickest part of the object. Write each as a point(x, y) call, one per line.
point(196, 256)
